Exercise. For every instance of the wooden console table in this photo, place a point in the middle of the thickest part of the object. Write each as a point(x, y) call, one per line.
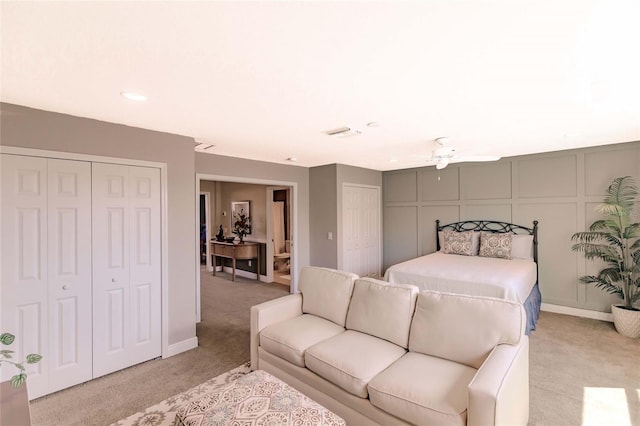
point(244, 251)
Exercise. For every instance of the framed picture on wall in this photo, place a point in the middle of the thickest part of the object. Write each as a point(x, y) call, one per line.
point(241, 211)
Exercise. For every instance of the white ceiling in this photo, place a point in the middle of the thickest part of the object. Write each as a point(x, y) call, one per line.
point(265, 80)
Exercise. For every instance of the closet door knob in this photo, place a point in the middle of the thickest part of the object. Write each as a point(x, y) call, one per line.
point(65, 287)
point(113, 280)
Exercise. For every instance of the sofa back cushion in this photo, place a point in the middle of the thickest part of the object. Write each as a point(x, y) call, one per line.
point(382, 309)
point(326, 293)
point(463, 328)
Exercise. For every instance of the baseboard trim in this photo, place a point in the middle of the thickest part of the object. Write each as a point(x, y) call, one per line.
point(180, 347)
point(241, 273)
point(585, 313)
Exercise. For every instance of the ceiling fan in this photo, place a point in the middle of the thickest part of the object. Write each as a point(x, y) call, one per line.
point(444, 155)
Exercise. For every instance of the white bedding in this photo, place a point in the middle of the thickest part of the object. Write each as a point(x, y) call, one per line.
point(483, 276)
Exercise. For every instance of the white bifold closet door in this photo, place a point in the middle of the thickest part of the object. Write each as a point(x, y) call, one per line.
point(126, 266)
point(46, 268)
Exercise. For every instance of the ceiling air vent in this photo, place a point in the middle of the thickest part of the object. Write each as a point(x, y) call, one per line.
point(343, 132)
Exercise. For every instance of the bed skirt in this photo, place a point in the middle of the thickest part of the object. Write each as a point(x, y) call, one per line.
point(532, 308)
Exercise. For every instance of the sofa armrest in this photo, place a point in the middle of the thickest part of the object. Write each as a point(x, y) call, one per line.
point(499, 392)
point(268, 313)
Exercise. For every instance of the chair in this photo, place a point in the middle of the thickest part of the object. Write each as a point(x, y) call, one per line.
point(281, 259)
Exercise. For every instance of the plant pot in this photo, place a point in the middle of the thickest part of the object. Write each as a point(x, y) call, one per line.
point(627, 321)
point(14, 405)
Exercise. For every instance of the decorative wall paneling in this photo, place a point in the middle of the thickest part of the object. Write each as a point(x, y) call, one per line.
point(560, 189)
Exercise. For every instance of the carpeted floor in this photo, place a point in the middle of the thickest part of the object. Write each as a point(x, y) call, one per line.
point(582, 371)
point(164, 412)
point(223, 344)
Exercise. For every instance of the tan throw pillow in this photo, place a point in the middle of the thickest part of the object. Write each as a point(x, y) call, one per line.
point(457, 242)
point(495, 245)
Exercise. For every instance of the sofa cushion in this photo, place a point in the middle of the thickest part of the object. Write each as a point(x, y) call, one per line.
point(290, 339)
point(423, 390)
point(326, 293)
point(382, 309)
point(351, 359)
point(464, 328)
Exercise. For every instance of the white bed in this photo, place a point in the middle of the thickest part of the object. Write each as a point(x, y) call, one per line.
point(515, 278)
point(482, 276)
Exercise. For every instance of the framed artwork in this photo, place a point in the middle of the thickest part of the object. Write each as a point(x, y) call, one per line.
point(240, 209)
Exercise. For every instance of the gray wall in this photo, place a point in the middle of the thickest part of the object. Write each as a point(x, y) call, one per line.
point(325, 185)
point(31, 128)
point(323, 216)
point(249, 169)
point(257, 195)
point(559, 189)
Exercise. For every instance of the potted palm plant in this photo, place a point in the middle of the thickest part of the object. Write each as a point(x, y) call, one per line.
point(615, 239)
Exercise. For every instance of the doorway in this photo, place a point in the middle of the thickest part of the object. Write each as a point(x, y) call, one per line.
point(218, 207)
point(280, 234)
point(205, 230)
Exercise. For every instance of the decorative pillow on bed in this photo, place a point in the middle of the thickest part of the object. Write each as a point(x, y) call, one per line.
point(475, 247)
point(522, 247)
point(495, 244)
point(457, 242)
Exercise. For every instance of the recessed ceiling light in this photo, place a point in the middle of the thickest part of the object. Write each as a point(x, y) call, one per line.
point(373, 124)
point(134, 96)
point(292, 159)
point(393, 160)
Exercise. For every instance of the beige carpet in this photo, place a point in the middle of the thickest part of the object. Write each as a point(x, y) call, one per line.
point(164, 412)
point(582, 371)
point(223, 344)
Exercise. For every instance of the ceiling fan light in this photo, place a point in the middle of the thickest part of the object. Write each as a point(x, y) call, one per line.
point(133, 96)
point(441, 164)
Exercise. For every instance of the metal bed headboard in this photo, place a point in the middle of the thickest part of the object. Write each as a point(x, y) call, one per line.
point(491, 226)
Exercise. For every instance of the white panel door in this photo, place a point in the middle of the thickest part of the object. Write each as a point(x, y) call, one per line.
point(24, 263)
point(351, 230)
point(69, 273)
point(145, 284)
point(126, 266)
point(110, 241)
point(361, 230)
point(370, 231)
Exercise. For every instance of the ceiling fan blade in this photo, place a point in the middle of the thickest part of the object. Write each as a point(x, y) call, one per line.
point(474, 158)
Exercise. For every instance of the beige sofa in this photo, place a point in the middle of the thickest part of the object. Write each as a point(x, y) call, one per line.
point(380, 353)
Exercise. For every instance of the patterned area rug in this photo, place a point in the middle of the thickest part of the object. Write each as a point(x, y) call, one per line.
point(164, 413)
point(256, 399)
